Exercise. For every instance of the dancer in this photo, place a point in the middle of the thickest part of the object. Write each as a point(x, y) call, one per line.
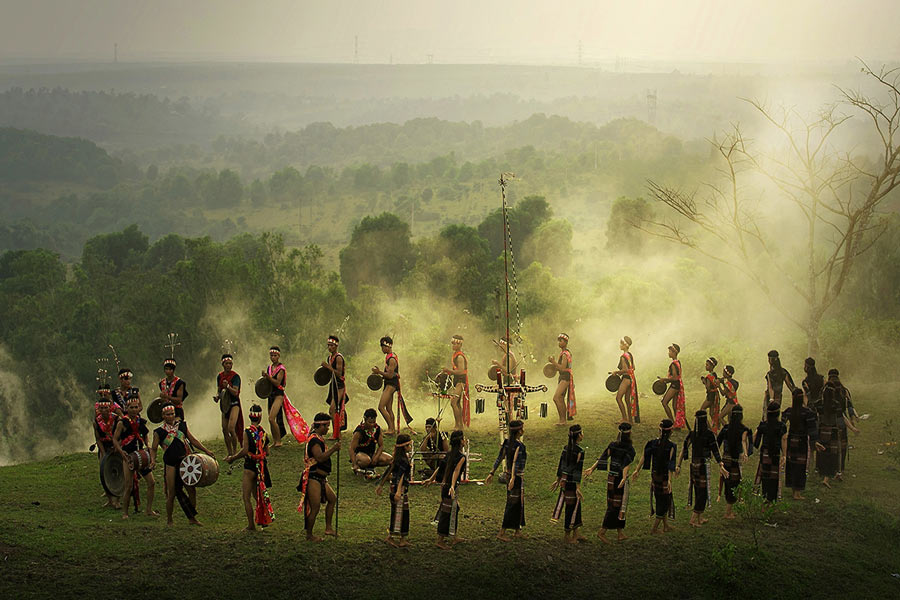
point(711, 383)
point(400, 473)
point(617, 457)
point(804, 431)
point(391, 375)
point(771, 440)
point(701, 442)
point(337, 388)
point(449, 509)
point(676, 388)
point(776, 379)
point(564, 396)
point(628, 385)
point(847, 419)
point(568, 481)
point(314, 487)
point(176, 441)
point(104, 425)
point(659, 458)
point(121, 394)
point(507, 363)
point(515, 454)
point(232, 415)
point(173, 389)
point(828, 458)
point(276, 373)
point(367, 445)
point(813, 384)
point(737, 445)
point(728, 386)
point(255, 480)
point(130, 436)
point(459, 370)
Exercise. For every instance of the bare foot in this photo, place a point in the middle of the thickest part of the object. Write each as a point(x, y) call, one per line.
point(603, 538)
point(580, 538)
point(442, 545)
point(125, 516)
point(153, 513)
point(391, 541)
point(697, 525)
point(456, 540)
point(826, 484)
point(799, 497)
point(520, 535)
point(668, 528)
point(196, 522)
point(313, 538)
point(390, 433)
point(704, 521)
point(331, 532)
point(728, 516)
point(622, 537)
point(655, 532)
point(502, 537)
point(170, 522)
point(571, 540)
point(278, 445)
point(248, 528)
point(404, 543)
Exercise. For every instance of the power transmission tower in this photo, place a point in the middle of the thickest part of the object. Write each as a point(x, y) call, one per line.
point(651, 106)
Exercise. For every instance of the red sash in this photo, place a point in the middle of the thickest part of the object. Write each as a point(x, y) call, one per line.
point(401, 404)
point(679, 402)
point(571, 407)
point(272, 374)
point(715, 407)
point(135, 432)
point(467, 419)
point(106, 427)
point(170, 389)
point(339, 420)
point(239, 425)
point(732, 393)
point(308, 462)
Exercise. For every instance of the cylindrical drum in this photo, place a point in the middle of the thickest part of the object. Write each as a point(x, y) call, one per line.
point(198, 470)
point(140, 460)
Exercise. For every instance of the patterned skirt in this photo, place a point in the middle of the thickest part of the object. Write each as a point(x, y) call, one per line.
point(735, 474)
point(768, 475)
point(661, 496)
point(828, 461)
point(698, 492)
point(514, 513)
point(568, 501)
point(448, 514)
point(616, 502)
point(399, 524)
point(797, 457)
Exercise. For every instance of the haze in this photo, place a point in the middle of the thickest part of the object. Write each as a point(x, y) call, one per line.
point(453, 32)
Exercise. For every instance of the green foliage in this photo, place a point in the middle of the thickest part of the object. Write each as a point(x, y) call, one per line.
point(725, 567)
point(622, 234)
point(379, 253)
point(550, 244)
point(755, 511)
point(524, 218)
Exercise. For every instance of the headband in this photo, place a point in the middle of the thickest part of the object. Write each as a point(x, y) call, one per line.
point(170, 408)
point(667, 424)
point(404, 444)
point(169, 362)
point(730, 370)
point(576, 430)
point(457, 337)
point(713, 361)
point(626, 339)
point(321, 422)
point(127, 374)
point(563, 336)
point(676, 347)
point(517, 427)
point(331, 339)
point(275, 349)
point(103, 403)
point(625, 427)
point(227, 356)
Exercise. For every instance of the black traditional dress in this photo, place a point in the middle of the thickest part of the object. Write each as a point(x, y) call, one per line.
point(615, 458)
point(659, 459)
point(449, 510)
point(804, 431)
point(731, 458)
point(401, 475)
point(702, 445)
point(569, 469)
point(514, 512)
point(768, 441)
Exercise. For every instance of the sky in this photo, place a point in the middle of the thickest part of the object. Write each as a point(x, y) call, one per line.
point(457, 31)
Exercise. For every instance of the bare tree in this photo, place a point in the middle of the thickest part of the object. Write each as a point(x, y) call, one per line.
point(836, 193)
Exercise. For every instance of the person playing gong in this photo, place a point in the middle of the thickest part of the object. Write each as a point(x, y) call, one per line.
point(628, 385)
point(675, 390)
point(391, 375)
point(176, 441)
point(507, 363)
point(232, 419)
point(173, 389)
point(276, 373)
point(564, 396)
point(711, 382)
point(459, 370)
point(104, 426)
point(337, 390)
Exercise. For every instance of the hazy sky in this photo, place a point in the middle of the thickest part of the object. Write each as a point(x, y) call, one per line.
point(451, 31)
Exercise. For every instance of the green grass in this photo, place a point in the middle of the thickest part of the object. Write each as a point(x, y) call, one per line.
point(55, 539)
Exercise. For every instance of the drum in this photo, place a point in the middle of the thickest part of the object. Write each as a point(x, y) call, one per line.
point(263, 387)
point(224, 401)
point(444, 382)
point(374, 381)
point(492, 372)
point(543, 410)
point(198, 470)
point(549, 370)
point(112, 474)
point(140, 460)
point(154, 411)
point(613, 382)
point(659, 387)
point(479, 406)
point(322, 376)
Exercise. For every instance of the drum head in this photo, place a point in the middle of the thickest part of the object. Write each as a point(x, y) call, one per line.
point(374, 381)
point(224, 401)
point(112, 474)
point(659, 387)
point(549, 371)
point(322, 376)
point(613, 382)
point(443, 381)
point(492, 372)
point(263, 387)
point(191, 469)
point(154, 411)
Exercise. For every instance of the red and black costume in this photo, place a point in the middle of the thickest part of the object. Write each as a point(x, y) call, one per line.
point(232, 379)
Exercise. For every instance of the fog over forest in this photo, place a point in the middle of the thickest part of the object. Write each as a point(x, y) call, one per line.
point(212, 170)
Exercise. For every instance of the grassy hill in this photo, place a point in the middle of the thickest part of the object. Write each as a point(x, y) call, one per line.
point(838, 543)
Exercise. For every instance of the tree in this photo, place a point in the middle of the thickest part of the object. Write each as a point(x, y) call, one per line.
point(524, 218)
point(379, 253)
point(834, 192)
point(625, 217)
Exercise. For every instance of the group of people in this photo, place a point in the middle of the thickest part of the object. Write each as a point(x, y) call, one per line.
point(816, 421)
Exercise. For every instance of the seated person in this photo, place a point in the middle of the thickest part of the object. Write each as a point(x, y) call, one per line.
point(435, 441)
point(367, 445)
